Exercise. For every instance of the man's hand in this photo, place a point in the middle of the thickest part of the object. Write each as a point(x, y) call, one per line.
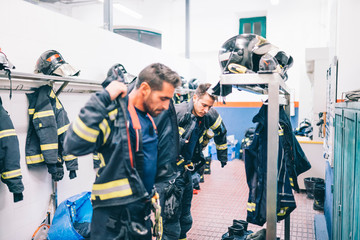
point(115, 89)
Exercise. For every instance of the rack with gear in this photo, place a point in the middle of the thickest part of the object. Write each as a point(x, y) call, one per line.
point(27, 81)
point(274, 86)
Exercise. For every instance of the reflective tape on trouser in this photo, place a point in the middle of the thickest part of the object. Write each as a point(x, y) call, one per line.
point(221, 147)
point(84, 131)
point(34, 159)
point(114, 189)
point(11, 174)
point(7, 133)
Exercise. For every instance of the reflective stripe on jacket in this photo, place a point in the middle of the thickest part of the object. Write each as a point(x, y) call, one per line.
point(48, 123)
point(102, 126)
point(290, 159)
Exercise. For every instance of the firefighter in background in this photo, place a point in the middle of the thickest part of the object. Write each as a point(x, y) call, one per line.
point(194, 119)
point(122, 192)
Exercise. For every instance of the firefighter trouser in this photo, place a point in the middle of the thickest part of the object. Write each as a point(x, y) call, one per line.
point(107, 222)
point(178, 225)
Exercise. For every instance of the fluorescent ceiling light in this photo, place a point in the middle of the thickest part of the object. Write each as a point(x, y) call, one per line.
point(126, 10)
point(274, 2)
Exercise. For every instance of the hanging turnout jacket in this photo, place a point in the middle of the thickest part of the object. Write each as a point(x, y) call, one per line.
point(212, 120)
point(291, 162)
point(10, 156)
point(102, 126)
point(48, 123)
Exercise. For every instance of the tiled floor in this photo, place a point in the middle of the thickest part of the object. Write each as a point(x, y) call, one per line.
point(223, 197)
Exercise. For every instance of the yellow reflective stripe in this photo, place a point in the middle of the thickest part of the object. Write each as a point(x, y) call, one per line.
point(102, 164)
point(52, 94)
point(69, 157)
point(58, 104)
point(281, 132)
point(112, 114)
point(84, 131)
point(251, 207)
point(7, 133)
point(44, 114)
point(217, 123)
point(96, 157)
point(11, 174)
point(209, 133)
point(291, 181)
point(63, 129)
point(114, 189)
point(31, 111)
point(182, 238)
point(180, 162)
point(34, 159)
point(104, 126)
point(50, 146)
point(282, 211)
point(221, 147)
point(181, 131)
point(201, 139)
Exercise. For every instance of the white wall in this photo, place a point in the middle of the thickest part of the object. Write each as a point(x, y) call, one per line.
point(346, 50)
point(29, 31)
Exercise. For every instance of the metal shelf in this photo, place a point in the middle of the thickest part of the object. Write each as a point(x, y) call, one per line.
point(273, 86)
point(27, 82)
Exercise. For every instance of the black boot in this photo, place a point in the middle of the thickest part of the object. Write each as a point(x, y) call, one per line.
point(319, 197)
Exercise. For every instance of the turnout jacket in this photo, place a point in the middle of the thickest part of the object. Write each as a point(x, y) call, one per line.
point(291, 162)
point(212, 121)
point(102, 127)
point(10, 156)
point(168, 144)
point(48, 122)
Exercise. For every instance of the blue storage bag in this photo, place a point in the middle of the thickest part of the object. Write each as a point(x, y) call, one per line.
point(76, 210)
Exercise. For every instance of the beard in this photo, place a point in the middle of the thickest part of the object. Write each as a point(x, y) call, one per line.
point(148, 109)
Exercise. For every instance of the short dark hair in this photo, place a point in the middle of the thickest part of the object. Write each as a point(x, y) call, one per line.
point(155, 74)
point(201, 90)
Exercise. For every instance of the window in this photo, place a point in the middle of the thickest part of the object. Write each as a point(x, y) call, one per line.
point(256, 25)
point(144, 36)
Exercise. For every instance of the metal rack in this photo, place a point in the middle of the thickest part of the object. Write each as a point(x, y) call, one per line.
point(272, 85)
point(28, 81)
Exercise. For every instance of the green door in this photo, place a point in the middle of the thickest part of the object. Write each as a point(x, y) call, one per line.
point(349, 134)
point(338, 138)
point(356, 221)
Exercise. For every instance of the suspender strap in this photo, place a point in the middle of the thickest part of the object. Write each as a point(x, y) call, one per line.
point(153, 123)
point(136, 125)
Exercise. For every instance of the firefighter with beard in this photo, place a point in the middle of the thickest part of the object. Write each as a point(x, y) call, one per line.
point(120, 127)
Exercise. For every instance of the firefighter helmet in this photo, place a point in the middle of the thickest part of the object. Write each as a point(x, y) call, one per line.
point(52, 63)
point(241, 53)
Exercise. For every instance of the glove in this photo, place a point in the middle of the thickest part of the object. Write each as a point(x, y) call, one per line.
point(223, 164)
point(115, 73)
point(59, 174)
point(18, 197)
point(72, 174)
point(173, 196)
